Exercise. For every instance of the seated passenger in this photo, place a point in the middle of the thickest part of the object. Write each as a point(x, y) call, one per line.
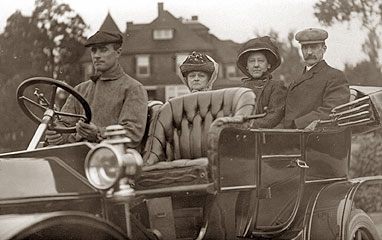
point(257, 59)
point(114, 97)
point(199, 72)
point(318, 89)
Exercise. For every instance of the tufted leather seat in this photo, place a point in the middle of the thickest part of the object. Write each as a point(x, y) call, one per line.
point(176, 147)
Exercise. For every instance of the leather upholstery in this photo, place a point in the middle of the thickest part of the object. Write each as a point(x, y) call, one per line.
point(180, 129)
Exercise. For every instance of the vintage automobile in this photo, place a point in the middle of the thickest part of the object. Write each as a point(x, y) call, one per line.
point(202, 173)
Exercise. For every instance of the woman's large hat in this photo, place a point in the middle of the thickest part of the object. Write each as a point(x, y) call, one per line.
point(259, 44)
point(197, 62)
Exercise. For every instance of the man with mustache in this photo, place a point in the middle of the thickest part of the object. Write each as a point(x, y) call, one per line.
point(318, 89)
point(114, 97)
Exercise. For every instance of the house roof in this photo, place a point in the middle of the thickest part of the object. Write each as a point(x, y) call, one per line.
point(196, 26)
point(138, 38)
point(226, 50)
point(109, 24)
point(184, 40)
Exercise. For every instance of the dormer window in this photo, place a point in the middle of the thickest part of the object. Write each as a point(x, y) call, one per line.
point(163, 34)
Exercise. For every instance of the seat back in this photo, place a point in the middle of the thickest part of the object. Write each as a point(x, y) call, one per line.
point(181, 127)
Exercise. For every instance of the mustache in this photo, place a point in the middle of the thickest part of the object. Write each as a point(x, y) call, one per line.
point(310, 57)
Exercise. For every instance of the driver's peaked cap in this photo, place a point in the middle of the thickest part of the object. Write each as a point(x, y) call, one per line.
point(104, 37)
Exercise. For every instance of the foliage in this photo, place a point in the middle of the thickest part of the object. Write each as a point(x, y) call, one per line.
point(63, 33)
point(363, 73)
point(48, 43)
point(366, 161)
point(292, 63)
point(17, 129)
point(331, 11)
point(17, 43)
point(369, 13)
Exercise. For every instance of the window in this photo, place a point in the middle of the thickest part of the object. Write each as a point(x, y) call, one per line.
point(230, 71)
point(143, 65)
point(163, 34)
point(179, 60)
point(172, 91)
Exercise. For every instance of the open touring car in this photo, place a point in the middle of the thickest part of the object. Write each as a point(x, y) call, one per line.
point(201, 173)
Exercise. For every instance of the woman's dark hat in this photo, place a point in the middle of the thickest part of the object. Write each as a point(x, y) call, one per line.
point(197, 62)
point(259, 44)
point(104, 37)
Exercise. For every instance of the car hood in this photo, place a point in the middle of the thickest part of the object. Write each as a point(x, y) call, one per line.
point(30, 177)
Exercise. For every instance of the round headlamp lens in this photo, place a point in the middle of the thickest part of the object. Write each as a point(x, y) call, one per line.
point(103, 168)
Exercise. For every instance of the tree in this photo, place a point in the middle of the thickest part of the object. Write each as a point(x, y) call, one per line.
point(62, 31)
point(369, 12)
point(363, 73)
point(48, 43)
point(292, 63)
point(16, 43)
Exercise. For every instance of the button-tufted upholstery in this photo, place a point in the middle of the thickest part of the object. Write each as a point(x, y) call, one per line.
point(178, 136)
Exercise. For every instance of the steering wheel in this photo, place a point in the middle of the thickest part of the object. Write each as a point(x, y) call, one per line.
point(44, 104)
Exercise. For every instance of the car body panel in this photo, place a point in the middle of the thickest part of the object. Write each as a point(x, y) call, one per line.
point(57, 225)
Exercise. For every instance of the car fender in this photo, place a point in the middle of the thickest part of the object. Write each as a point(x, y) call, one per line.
point(332, 208)
point(70, 224)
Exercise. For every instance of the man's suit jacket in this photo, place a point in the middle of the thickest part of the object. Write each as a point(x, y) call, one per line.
point(313, 94)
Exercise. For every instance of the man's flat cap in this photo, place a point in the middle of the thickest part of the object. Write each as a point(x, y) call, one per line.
point(311, 35)
point(103, 37)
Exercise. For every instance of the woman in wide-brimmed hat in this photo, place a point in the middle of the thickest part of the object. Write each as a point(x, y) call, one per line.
point(198, 72)
point(257, 59)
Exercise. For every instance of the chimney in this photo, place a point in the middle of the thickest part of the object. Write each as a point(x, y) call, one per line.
point(129, 25)
point(160, 8)
point(194, 18)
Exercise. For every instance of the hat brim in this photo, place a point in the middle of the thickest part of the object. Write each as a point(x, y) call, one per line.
point(311, 42)
point(272, 58)
point(207, 67)
point(102, 43)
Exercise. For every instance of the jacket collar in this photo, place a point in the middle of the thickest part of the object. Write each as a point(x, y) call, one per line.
point(305, 75)
point(112, 74)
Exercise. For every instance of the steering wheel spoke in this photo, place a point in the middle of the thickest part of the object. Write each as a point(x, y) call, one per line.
point(73, 115)
point(33, 102)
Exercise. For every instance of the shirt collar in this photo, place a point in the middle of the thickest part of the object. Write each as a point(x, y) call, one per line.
point(310, 67)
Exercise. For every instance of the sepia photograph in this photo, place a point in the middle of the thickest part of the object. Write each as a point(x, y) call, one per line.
point(180, 120)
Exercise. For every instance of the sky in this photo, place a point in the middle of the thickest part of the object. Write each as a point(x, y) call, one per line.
point(237, 20)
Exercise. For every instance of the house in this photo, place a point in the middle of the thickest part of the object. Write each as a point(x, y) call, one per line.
point(152, 53)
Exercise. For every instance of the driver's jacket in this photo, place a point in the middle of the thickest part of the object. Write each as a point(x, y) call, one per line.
point(114, 98)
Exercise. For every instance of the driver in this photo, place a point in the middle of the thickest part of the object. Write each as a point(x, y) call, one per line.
point(113, 96)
